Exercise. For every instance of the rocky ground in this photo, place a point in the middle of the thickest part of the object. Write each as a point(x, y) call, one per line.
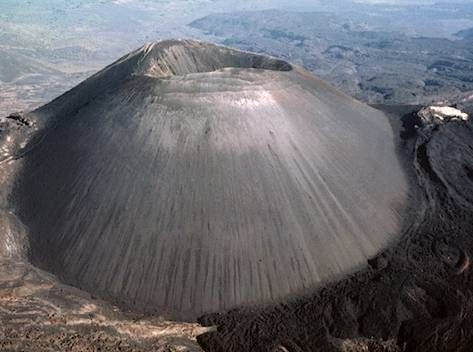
point(39, 314)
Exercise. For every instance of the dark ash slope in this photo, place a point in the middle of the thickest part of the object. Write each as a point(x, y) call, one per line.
point(188, 178)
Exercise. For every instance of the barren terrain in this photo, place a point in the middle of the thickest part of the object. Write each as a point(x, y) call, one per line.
point(279, 212)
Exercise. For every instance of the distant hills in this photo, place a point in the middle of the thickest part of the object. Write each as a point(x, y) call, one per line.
point(376, 66)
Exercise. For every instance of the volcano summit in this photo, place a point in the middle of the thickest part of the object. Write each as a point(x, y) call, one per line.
point(188, 178)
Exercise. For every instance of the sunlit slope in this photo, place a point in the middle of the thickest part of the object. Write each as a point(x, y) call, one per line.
point(189, 178)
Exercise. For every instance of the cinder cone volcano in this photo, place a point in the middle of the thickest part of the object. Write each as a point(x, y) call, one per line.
point(189, 178)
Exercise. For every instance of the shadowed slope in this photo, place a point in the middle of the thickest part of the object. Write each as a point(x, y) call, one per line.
point(206, 183)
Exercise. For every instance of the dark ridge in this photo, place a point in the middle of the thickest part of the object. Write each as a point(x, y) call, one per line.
point(21, 119)
point(176, 58)
point(424, 163)
point(469, 171)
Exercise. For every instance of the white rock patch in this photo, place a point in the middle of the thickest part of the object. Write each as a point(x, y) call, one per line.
point(440, 114)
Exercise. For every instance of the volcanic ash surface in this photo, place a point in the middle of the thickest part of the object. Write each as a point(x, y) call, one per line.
point(188, 178)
